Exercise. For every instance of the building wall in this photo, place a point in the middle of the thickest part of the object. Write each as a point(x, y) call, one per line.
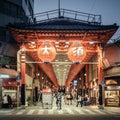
point(112, 53)
point(28, 6)
point(111, 73)
point(12, 11)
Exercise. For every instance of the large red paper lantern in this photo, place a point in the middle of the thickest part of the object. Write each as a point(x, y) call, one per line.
point(46, 52)
point(76, 52)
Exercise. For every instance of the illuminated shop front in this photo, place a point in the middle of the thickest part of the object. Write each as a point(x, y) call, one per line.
point(112, 92)
point(112, 74)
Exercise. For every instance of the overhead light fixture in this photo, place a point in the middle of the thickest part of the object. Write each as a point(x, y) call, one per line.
point(91, 42)
point(32, 42)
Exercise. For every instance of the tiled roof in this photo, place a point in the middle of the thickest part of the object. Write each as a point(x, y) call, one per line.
point(64, 24)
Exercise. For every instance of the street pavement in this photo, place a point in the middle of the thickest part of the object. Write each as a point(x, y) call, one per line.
point(68, 112)
point(64, 111)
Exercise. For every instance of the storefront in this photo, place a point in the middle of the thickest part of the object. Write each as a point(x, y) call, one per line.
point(9, 87)
point(112, 92)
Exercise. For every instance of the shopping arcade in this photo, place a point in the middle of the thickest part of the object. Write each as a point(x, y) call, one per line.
point(61, 33)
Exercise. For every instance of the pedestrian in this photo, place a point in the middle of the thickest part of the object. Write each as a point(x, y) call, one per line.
point(71, 98)
point(59, 100)
point(5, 101)
point(79, 101)
point(68, 98)
point(9, 101)
point(40, 97)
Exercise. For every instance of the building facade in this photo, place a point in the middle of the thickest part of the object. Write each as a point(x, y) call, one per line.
point(11, 11)
point(112, 74)
point(111, 80)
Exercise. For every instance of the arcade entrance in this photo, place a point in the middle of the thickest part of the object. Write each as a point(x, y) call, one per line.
point(61, 46)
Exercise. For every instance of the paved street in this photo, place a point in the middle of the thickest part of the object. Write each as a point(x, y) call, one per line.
point(70, 110)
point(67, 112)
point(62, 117)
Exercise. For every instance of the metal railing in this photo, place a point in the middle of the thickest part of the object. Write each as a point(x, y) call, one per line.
point(65, 13)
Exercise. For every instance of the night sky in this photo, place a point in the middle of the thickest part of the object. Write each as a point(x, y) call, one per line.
point(108, 9)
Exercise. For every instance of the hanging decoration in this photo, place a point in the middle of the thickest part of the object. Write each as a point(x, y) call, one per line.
point(76, 52)
point(46, 52)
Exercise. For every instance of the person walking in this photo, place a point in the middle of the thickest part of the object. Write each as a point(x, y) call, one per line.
point(79, 101)
point(59, 100)
point(9, 101)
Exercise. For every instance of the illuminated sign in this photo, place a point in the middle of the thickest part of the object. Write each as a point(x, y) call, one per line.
point(75, 82)
point(46, 52)
point(76, 52)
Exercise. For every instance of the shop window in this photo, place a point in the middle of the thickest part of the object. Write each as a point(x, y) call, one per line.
point(112, 98)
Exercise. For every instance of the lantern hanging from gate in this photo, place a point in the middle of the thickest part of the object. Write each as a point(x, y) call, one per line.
point(46, 51)
point(76, 52)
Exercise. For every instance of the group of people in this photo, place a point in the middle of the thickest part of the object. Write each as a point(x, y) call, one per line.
point(68, 98)
point(83, 100)
point(7, 101)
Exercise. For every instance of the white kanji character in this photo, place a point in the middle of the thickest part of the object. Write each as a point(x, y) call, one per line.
point(77, 51)
point(46, 50)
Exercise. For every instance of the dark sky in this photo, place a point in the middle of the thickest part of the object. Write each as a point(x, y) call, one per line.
point(108, 9)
